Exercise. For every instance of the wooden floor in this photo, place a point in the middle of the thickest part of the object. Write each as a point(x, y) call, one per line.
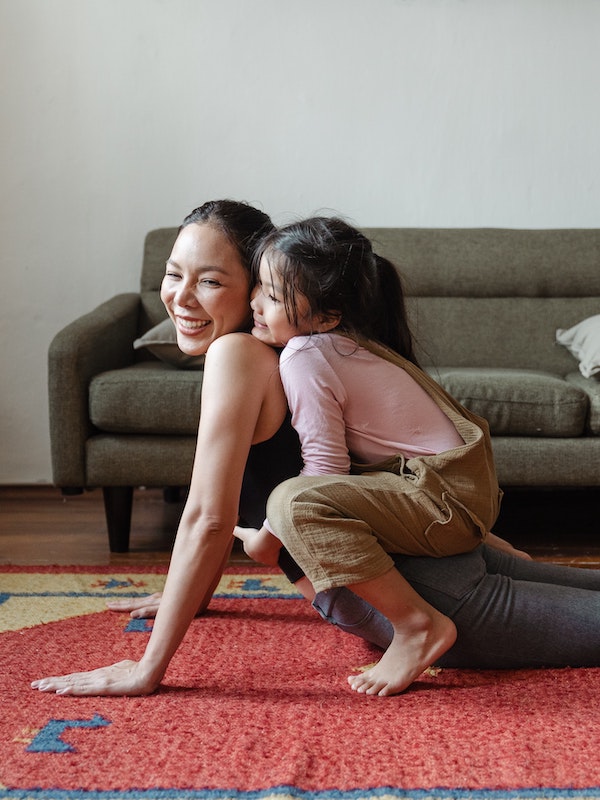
point(39, 526)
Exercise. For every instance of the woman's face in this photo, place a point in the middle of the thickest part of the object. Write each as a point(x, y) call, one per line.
point(206, 287)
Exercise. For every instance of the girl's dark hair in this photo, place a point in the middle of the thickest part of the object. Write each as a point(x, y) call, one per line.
point(244, 225)
point(333, 265)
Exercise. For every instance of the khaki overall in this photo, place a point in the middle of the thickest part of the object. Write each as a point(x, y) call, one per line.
point(340, 528)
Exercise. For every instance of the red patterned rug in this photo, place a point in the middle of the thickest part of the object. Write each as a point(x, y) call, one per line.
point(255, 705)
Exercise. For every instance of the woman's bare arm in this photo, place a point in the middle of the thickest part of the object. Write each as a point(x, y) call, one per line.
point(147, 606)
point(242, 402)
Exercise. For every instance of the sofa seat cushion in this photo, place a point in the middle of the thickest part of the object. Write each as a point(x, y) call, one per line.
point(149, 397)
point(591, 386)
point(156, 398)
point(518, 402)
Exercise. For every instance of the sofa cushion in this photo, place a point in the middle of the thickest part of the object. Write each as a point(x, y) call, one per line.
point(149, 397)
point(161, 341)
point(583, 342)
point(518, 402)
point(591, 387)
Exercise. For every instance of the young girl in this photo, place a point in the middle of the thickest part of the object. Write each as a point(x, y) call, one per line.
point(360, 403)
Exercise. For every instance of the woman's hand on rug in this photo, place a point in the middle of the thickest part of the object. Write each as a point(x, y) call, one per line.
point(122, 678)
point(137, 607)
point(142, 607)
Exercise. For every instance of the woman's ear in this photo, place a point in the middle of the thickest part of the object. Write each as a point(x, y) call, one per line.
point(326, 322)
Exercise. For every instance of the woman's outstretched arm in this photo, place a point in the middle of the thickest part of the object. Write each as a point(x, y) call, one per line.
point(242, 403)
point(147, 606)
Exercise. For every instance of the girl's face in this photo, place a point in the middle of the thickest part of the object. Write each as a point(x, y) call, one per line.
point(271, 323)
point(206, 288)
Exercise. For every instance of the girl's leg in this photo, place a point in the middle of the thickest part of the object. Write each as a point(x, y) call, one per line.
point(327, 525)
point(421, 635)
point(341, 529)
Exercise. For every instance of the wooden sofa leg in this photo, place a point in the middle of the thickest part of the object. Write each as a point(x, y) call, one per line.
point(172, 494)
point(118, 501)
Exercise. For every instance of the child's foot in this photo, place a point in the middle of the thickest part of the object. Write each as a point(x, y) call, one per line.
point(259, 545)
point(409, 654)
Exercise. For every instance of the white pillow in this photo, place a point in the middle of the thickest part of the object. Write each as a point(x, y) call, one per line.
point(583, 342)
point(161, 341)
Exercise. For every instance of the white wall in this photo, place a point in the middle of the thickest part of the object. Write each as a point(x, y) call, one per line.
point(118, 116)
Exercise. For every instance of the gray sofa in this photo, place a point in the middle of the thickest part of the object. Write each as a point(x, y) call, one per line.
point(484, 305)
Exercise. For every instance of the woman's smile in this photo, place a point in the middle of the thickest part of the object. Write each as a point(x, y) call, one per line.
point(190, 325)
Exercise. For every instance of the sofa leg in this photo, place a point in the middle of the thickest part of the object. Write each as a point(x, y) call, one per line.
point(172, 494)
point(118, 501)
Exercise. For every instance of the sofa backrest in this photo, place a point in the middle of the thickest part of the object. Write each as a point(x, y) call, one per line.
point(477, 297)
point(495, 297)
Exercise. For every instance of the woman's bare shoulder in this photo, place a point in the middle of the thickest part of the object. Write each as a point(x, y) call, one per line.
point(245, 371)
point(242, 346)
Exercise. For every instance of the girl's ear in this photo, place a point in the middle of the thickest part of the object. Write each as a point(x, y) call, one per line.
point(326, 322)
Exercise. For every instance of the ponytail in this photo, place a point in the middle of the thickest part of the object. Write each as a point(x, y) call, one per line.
point(392, 328)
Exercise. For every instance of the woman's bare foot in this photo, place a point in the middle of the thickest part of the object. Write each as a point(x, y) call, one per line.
point(412, 650)
point(259, 545)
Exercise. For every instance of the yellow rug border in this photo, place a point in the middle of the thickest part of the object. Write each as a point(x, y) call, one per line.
point(28, 599)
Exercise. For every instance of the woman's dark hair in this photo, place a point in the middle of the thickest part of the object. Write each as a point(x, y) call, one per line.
point(333, 265)
point(244, 225)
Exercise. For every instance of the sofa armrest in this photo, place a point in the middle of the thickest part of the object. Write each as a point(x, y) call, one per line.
point(93, 343)
point(591, 386)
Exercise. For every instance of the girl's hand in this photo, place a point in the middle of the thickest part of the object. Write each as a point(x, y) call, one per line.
point(123, 678)
point(501, 544)
point(259, 545)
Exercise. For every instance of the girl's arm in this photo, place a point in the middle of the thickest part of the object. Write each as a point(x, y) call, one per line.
point(242, 403)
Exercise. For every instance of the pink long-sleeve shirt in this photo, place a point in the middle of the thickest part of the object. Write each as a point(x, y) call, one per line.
point(348, 403)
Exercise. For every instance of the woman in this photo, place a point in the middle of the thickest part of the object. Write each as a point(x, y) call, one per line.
point(206, 291)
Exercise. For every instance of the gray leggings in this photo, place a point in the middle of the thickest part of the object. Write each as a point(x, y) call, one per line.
point(509, 612)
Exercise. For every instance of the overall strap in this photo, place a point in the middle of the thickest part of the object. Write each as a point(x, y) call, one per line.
point(468, 468)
